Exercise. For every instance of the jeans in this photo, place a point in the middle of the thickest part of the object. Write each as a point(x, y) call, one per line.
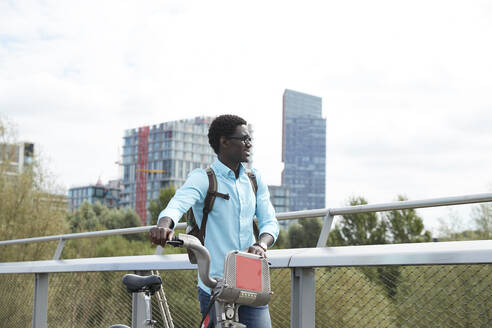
point(251, 316)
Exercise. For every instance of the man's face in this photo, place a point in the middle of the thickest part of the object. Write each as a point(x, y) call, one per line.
point(239, 145)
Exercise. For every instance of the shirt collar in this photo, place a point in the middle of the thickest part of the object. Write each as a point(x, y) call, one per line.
point(221, 168)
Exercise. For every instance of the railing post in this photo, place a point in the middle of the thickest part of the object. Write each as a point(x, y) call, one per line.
point(40, 310)
point(325, 231)
point(59, 249)
point(303, 294)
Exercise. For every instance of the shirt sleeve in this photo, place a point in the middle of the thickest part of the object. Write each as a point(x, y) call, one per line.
point(267, 222)
point(193, 190)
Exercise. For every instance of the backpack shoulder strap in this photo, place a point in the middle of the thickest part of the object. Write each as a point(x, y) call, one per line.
point(254, 185)
point(252, 179)
point(211, 192)
point(209, 201)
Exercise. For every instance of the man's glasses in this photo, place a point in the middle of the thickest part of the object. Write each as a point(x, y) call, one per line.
point(245, 139)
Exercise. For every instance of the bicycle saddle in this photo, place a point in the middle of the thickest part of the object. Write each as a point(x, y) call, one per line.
point(137, 284)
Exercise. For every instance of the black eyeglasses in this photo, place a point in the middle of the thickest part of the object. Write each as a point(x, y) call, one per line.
point(245, 139)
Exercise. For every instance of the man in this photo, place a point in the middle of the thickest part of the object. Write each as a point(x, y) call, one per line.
point(230, 223)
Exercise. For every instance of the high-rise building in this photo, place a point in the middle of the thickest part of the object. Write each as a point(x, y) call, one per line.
point(17, 156)
point(303, 150)
point(162, 155)
point(280, 199)
point(108, 195)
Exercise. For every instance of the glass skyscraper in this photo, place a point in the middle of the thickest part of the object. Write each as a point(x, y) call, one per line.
point(304, 150)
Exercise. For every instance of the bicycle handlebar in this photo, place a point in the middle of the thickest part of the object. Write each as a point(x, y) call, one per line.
point(201, 253)
point(175, 242)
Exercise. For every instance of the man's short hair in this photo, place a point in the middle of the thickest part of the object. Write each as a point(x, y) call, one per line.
point(223, 126)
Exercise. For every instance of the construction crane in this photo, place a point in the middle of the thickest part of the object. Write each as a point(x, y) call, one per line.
point(141, 176)
point(151, 171)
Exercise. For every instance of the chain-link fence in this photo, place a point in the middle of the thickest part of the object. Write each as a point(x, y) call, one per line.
point(390, 296)
point(405, 296)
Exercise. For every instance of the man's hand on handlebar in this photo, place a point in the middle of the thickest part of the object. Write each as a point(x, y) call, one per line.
point(255, 249)
point(163, 232)
point(260, 247)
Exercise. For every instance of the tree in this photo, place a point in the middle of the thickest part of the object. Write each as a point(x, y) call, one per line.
point(84, 219)
point(482, 217)
point(29, 202)
point(304, 233)
point(358, 229)
point(282, 239)
point(92, 217)
point(405, 226)
point(31, 205)
point(157, 206)
point(453, 227)
point(399, 226)
point(121, 218)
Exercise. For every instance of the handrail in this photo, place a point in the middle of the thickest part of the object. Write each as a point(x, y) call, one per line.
point(411, 204)
point(399, 205)
point(431, 253)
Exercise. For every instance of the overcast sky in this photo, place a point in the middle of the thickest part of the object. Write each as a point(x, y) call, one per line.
point(406, 85)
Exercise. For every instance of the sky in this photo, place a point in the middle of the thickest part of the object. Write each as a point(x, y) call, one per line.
point(406, 85)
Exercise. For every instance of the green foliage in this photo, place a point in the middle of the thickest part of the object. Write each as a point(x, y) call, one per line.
point(30, 203)
point(93, 217)
point(282, 240)
point(482, 217)
point(119, 246)
point(85, 218)
point(304, 233)
point(399, 226)
point(405, 226)
point(156, 207)
point(358, 229)
point(454, 227)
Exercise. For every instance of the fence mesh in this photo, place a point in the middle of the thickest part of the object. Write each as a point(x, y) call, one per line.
point(391, 296)
point(406, 296)
point(16, 300)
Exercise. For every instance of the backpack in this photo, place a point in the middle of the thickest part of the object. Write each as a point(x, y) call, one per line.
point(212, 193)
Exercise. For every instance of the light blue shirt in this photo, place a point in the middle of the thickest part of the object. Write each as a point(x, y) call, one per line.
point(230, 223)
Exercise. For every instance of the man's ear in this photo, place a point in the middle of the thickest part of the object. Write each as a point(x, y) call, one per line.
point(223, 142)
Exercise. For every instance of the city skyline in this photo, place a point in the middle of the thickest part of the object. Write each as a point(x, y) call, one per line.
point(409, 104)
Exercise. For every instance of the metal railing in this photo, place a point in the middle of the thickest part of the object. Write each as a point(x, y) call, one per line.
point(354, 286)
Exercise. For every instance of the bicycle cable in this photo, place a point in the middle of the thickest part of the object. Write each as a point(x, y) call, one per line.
point(209, 306)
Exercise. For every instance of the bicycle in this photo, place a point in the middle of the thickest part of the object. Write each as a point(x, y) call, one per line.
point(246, 282)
